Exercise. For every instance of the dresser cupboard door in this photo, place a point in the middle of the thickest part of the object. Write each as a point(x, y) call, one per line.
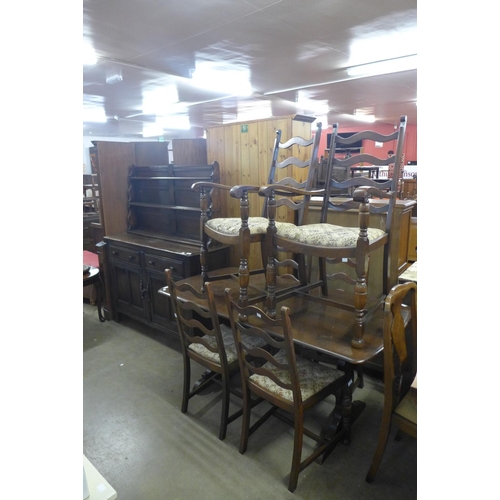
point(159, 305)
point(128, 288)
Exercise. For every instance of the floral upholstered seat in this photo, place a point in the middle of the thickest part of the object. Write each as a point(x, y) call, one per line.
point(312, 377)
point(342, 251)
point(229, 347)
point(286, 380)
point(325, 235)
point(294, 162)
point(232, 225)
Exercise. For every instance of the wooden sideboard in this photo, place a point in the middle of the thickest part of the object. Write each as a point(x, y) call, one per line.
point(163, 232)
point(135, 267)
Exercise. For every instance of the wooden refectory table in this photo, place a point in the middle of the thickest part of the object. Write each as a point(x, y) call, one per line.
point(321, 332)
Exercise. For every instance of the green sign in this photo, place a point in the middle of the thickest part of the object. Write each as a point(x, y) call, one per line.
point(244, 129)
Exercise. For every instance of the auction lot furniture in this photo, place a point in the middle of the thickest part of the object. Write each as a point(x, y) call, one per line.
point(320, 333)
point(207, 342)
point(332, 244)
point(162, 233)
point(287, 380)
point(296, 155)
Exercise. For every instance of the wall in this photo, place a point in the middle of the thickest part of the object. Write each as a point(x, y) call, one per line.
point(410, 147)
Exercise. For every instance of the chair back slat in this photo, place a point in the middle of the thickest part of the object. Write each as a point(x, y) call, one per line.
point(282, 371)
point(197, 319)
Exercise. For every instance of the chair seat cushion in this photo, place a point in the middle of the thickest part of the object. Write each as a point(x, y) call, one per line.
point(407, 407)
point(312, 377)
point(325, 235)
point(231, 225)
point(229, 346)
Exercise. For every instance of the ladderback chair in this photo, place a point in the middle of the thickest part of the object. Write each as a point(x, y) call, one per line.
point(206, 341)
point(286, 380)
point(334, 244)
point(244, 230)
point(400, 368)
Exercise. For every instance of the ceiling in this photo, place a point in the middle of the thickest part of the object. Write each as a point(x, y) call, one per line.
point(286, 57)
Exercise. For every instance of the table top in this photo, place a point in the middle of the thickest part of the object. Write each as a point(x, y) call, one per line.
point(91, 275)
point(324, 328)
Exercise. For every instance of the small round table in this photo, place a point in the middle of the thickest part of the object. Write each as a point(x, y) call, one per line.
point(92, 277)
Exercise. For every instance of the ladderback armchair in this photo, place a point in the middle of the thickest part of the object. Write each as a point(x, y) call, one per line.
point(244, 231)
point(337, 244)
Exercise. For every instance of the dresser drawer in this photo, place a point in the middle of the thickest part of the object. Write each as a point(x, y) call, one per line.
point(156, 263)
point(125, 255)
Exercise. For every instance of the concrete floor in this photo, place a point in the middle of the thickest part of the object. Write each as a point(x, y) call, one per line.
point(138, 439)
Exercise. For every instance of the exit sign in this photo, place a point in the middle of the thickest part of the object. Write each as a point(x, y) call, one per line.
point(244, 129)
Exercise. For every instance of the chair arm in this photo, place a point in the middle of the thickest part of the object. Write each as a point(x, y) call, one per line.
point(197, 186)
point(288, 191)
point(362, 193)
point(240, 190)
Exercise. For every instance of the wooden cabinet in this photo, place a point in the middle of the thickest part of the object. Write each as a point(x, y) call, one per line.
point(136, 266)
point(409, 189)
point(162, 203)
point(163, 232)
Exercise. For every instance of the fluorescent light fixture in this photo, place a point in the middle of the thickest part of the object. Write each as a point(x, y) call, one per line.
point(258, 110)
point(159, 101)
point(384, 67)
point(306, 105)
point(365, 118)
point(94, 114)
point(174, 122)
point(89, 55)
point(223, 80)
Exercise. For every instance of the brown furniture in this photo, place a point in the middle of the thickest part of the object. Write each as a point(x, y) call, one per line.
point(324, 330)
point(298, 154)
point(244, 152)
point(291, 383)
point(409, 188)
point(400, 368)
point(351, 246)
point(162, 233)
point(207, 342)
point(360, 171)
point(322, 333)
point(111, 161)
